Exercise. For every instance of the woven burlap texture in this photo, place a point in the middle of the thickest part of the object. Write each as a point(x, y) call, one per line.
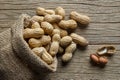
point(17, 61)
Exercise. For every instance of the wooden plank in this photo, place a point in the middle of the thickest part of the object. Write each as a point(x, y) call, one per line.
point(13, 4)
point(108, 17)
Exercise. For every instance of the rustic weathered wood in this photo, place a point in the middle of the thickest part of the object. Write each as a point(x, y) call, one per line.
point(103, 29)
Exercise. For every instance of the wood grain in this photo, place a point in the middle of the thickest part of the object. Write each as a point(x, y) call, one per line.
point(103, 29)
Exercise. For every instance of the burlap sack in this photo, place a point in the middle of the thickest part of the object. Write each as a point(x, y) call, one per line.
point(17, 61)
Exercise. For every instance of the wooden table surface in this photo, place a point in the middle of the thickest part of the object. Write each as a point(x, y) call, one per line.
point(103, 29)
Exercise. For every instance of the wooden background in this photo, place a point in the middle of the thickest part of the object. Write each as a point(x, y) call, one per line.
point(103, 29)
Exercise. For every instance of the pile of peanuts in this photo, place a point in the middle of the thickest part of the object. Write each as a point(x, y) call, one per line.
point(47, 33)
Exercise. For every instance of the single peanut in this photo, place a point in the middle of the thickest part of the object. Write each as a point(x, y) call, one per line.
point(35, 25)
point(46, 56)
point(103, 60)
point(41, 11)
point(47, 27)
point(49, 12)
point(69, 52)
point(33, 33)
point(54, 45)
point(79, 39)
point(44, 40)
point(38, 51)
point(38, 18)
point(106, 50)
point(65, 41)
point(34, 43)
point(83, 19)
point(94, 58)
point(52, 18)
point(43, 54)
point(68, 24)
point(60, 11)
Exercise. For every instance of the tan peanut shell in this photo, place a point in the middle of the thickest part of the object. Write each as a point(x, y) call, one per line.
point(69, 52)
point(40, 11)
point(67, 57)
point(49, 12)
point(62, 31)
point(53, 18)
point(54, 48)
point(60, 11)
point(35, 25)
point(43, 54)
point(106, 50)
point(38, 18)
point(47, 27)
point(79, 39)
point(71, 48)
point(83, 19)
point(54, 45)
point(102, 51)
point(68, 24)
point(46, 56)
point(33, 33)
point(33, 42)
point(38, 51)
point(44, 40)
point(65, 41)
